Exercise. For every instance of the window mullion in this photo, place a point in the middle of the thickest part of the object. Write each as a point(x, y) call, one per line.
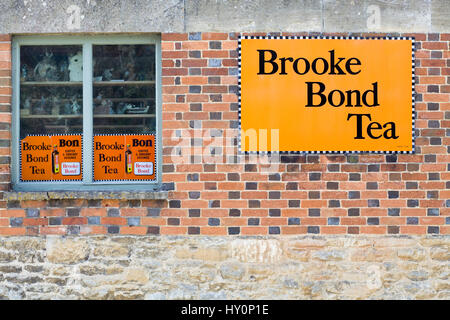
point(158, 111)
point(87, 113)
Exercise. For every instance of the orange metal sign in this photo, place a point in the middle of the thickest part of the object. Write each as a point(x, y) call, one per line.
point(326, 95)
point(51, 158)
point(124, 157)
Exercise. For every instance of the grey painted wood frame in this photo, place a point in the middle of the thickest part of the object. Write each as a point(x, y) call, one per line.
point(86, 41)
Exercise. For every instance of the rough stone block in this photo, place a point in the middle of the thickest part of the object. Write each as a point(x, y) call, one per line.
point(329, 255)
point(205, 254)
point(111, 250)
point(67, 251)
point(139, 275)
point(232, 271)
point(267, 251)
point(414, 254)
point(440, 253)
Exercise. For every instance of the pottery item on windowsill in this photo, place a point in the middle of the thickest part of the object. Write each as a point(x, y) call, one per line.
point(76, 67)
point(55, 105)
point(107, 74)
point(23, 73)
point(130, 75)
point(40, 107)
point(55, 110)
point(67, 108)
point(46, 69)
point(64, 71)
point(27, 105)
point(129, 108)
point(104, 108)
point(75, 107)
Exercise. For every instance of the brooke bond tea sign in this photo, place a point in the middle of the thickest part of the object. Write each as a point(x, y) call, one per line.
point(326, 95)
point(51, 158)
point(124, 157)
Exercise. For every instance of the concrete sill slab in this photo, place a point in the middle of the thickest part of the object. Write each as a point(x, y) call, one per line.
point(88, 195)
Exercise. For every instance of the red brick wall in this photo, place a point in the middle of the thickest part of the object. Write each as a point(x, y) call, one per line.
point(325, 194)
point(5, 112)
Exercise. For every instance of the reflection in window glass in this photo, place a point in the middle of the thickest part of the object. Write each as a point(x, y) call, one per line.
point(124, 89)
point(51, 90)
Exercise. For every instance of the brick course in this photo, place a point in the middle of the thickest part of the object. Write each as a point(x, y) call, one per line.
point(308, 194)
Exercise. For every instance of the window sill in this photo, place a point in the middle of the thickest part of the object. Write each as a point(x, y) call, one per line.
point(87, 195)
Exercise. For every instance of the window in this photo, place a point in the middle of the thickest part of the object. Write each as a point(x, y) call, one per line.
point(86, 113)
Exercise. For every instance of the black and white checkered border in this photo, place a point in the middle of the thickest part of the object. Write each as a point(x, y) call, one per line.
point(125, 180)
point(413, 118)
point(49, 135)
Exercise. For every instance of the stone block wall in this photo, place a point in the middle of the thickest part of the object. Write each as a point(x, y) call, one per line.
point(175, 267)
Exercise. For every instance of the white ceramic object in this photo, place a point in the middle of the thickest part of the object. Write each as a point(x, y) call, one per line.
point(76, 67)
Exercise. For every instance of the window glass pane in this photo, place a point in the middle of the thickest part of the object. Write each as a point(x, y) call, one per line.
point(51, 90)
point(124, 89)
